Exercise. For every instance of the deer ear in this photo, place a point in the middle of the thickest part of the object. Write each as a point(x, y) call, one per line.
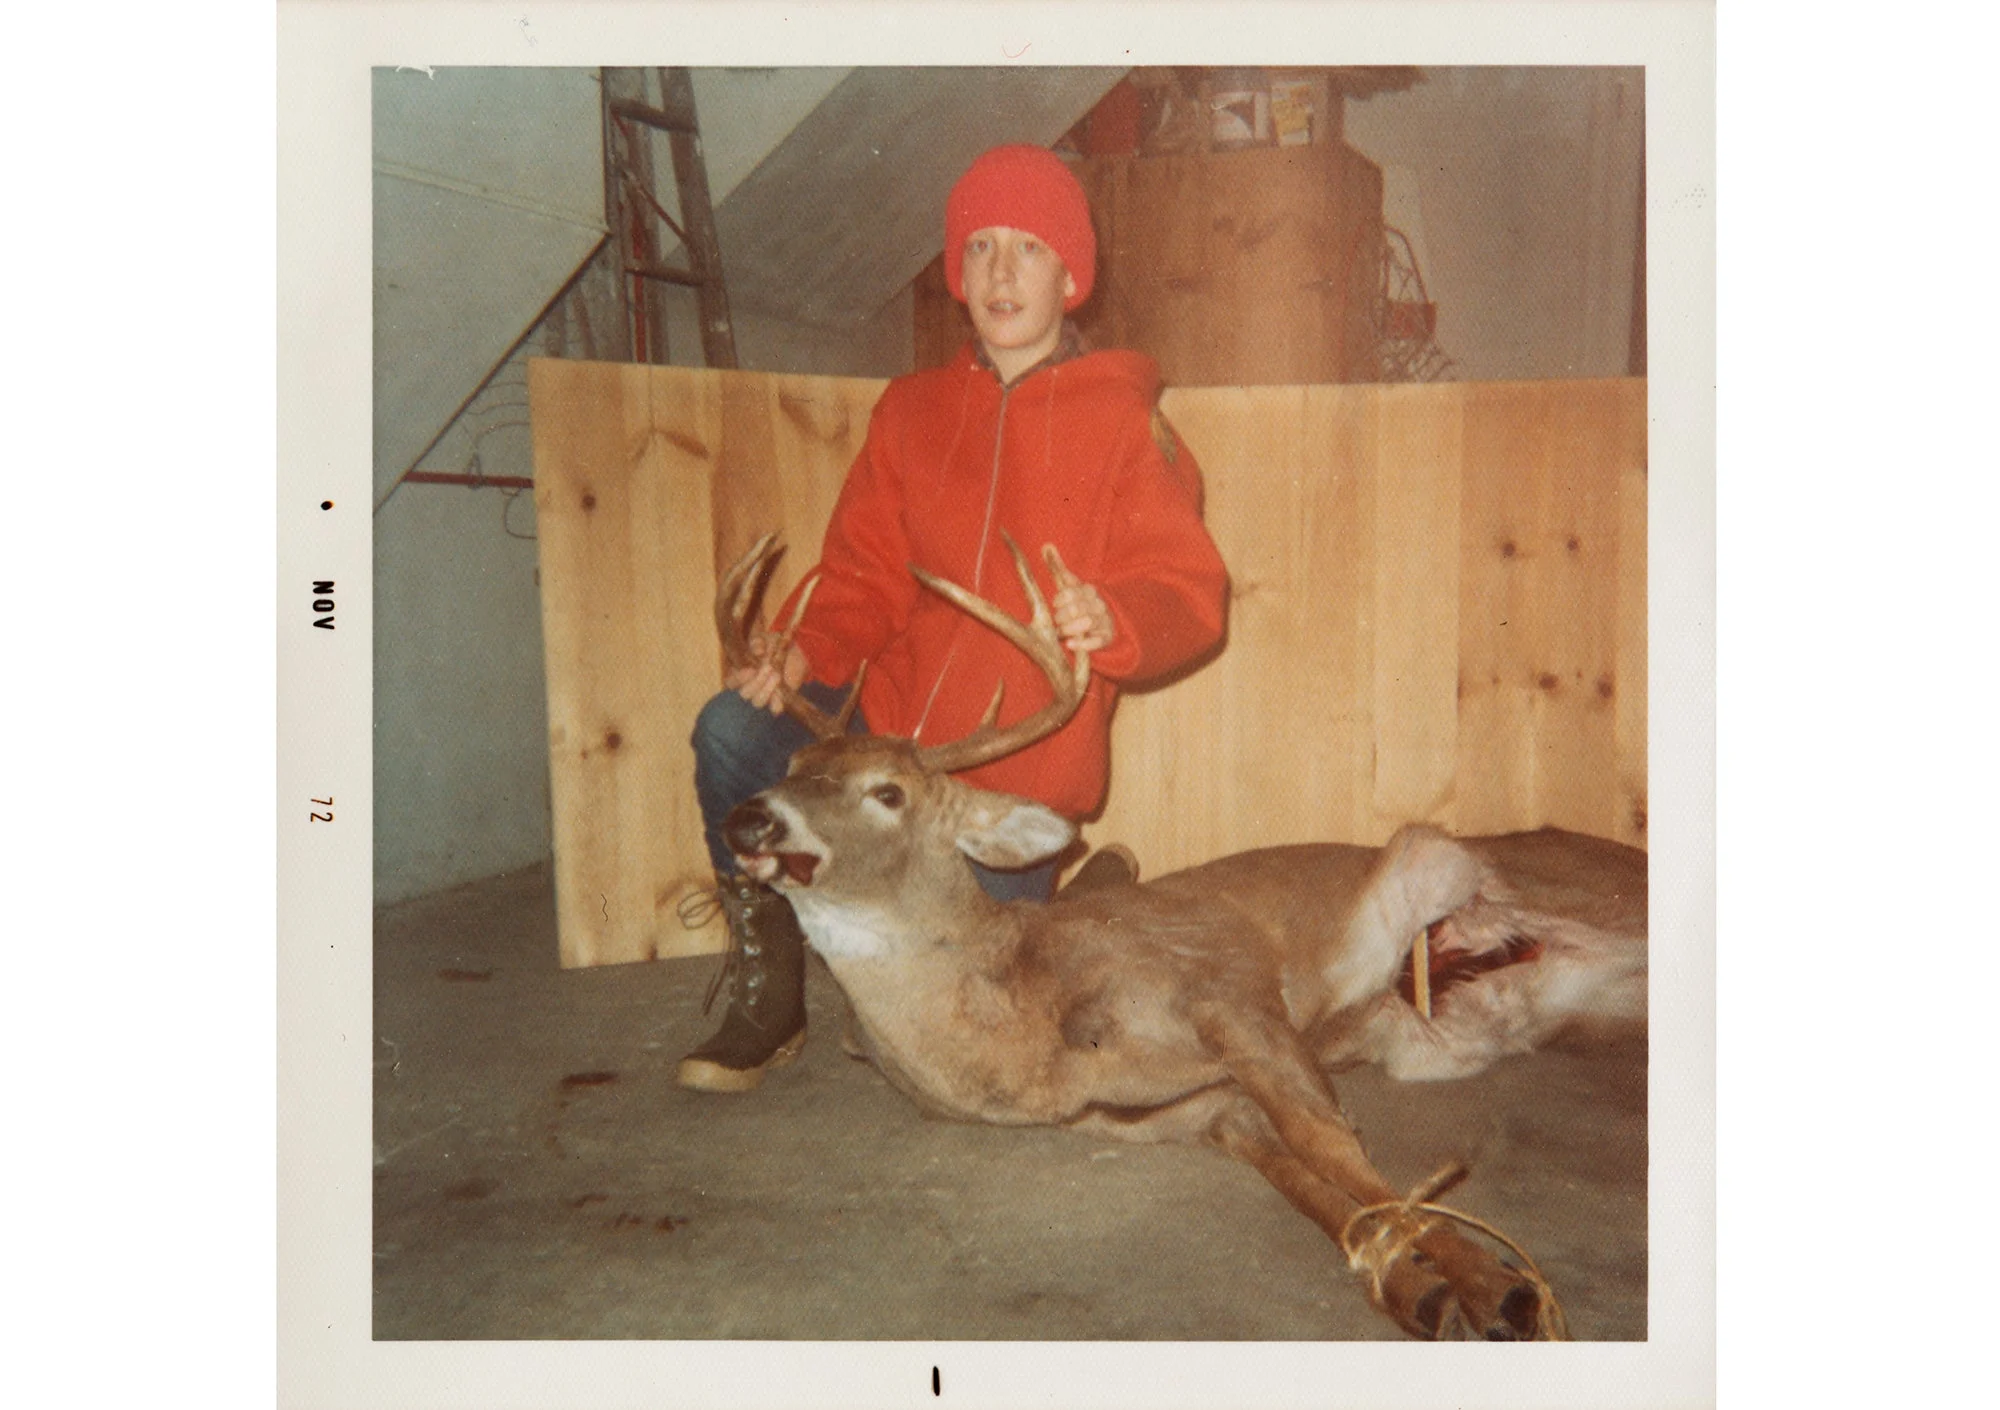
point(1005, 832)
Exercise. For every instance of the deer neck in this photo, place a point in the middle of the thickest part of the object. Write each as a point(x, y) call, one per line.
point(950, 915)
point(886, 953)
point(921, 980)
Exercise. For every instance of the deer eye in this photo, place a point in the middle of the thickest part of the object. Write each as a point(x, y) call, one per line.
point(887, 794)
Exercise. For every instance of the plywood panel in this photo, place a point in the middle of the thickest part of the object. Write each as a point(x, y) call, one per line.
point(1438, 613)
point(1628, 822)
point(1287, 504)
point(1576, 579)
point(647, 480)
point(1417, 470)
point(1544, 548)
point(612, 708)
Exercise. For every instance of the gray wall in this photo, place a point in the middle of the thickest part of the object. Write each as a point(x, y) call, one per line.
point(1521, 188)
point(461, 761)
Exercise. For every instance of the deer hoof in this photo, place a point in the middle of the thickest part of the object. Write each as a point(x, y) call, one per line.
point(1509, 1312)
point(1427, 1317)
point(1419, 1300)
point(1434, 1308)
point(1521, 1313)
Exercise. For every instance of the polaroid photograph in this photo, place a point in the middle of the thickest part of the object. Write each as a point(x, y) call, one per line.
point(992, 705)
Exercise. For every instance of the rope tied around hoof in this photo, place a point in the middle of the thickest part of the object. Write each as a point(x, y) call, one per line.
point(1398, 1225)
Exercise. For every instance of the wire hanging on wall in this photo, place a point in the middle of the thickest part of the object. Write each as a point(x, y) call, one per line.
point(500, 404)
point(566, 327)
point(1406, 347)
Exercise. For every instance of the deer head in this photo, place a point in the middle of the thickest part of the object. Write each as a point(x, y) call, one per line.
point(866, 820)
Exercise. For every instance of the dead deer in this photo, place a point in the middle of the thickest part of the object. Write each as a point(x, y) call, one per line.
point(1206, 1005)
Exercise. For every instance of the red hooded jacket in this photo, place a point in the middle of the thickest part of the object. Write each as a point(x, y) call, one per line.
point(1072, 454)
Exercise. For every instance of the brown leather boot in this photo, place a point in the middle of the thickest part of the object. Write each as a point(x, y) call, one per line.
point(1110, 865)
point(765, 1026)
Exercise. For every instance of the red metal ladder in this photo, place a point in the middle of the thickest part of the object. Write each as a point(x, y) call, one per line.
point(636, 215)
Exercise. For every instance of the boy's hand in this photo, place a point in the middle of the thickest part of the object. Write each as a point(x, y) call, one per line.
point(759, 684)
point(1082, 619)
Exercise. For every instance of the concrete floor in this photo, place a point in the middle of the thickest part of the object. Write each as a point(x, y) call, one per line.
point(539, 1175)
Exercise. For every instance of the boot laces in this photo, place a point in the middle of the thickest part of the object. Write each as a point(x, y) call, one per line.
point(698, 908)
point(695, 910)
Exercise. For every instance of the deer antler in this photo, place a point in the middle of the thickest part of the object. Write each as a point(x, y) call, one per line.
point(1069, 675)
point(740, 588)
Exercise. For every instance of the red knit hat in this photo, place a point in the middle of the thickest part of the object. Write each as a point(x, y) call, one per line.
point(1023, 188)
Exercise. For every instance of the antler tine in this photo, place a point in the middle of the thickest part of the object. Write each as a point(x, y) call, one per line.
point(846, 715)
point(1058, 569)
point(783, 644)
point(732, 600)
point(739, 588)
point(1068, 675)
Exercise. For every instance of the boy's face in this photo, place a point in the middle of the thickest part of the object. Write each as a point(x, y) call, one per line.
point(1015, 288)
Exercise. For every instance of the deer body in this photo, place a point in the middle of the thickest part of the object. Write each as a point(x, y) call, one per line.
point(1206, 1005)
point(1004, 1018)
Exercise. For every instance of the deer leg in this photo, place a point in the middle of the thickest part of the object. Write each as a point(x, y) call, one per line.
point(1317, 1162)
point(1409, 1289)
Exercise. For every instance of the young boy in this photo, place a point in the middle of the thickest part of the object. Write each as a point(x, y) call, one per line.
point(1025, 432)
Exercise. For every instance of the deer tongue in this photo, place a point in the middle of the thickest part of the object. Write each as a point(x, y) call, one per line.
point(766, 866)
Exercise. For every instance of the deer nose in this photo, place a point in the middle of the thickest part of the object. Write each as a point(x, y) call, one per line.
point(752, 827)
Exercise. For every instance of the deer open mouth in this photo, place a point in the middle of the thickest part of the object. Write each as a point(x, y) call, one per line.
point(769, 867)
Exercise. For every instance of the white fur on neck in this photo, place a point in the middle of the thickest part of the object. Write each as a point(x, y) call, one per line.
point(841, 930)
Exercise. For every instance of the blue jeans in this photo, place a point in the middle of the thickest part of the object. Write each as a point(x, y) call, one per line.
point(740, 750)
